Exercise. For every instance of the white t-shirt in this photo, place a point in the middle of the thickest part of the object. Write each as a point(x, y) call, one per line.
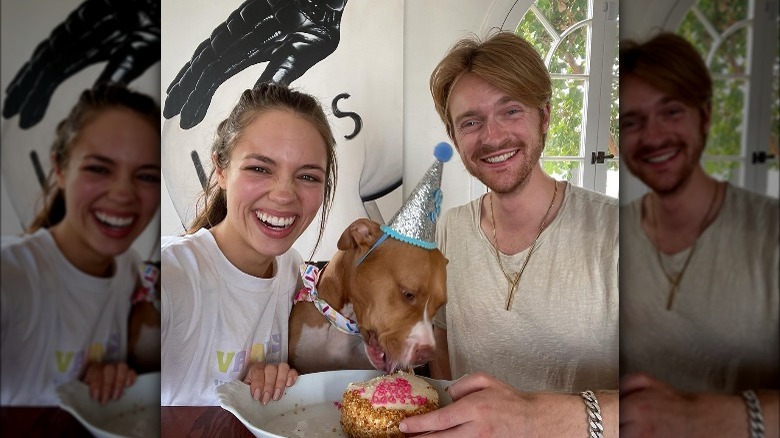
point(216, 319)
point(55, 318)
point(723, 331)
point(561, 333)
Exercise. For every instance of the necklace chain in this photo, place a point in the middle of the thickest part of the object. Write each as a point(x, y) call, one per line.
point(514, 281)
point(675, 280)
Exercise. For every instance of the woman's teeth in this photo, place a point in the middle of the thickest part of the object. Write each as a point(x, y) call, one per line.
point(114, 221)
point(501, 158)
point(278, 222)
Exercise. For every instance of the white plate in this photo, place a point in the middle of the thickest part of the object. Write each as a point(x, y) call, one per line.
point(307, 409)
point(135, 414)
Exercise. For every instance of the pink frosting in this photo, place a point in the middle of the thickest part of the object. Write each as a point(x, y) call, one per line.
point(396, 391)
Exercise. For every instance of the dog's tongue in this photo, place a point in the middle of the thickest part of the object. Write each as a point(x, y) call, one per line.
point(376, 355)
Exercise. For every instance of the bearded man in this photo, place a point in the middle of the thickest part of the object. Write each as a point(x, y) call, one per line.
point(699, 296)
point(531, 318)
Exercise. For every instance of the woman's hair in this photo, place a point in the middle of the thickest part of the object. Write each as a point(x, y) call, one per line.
point(253, 103)
point(669, 63)
point(91, 103)
point(504, 60)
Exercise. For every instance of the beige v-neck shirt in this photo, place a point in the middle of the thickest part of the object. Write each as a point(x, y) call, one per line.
point(722, 333)
point(561, 333)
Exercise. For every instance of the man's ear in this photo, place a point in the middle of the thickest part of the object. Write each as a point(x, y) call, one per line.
point(218, 171)
point(544, 112)
point(706, 113)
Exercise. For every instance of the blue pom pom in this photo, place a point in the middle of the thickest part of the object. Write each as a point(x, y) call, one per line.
point(443, 152)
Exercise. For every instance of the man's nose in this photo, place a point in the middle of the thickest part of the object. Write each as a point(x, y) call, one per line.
point(655, 132)
point(494, 132)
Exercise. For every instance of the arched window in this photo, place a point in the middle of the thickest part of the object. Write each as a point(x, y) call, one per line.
point(578, 41)
point(738, 41)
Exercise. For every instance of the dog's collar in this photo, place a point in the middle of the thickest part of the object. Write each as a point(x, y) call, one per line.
point(310, 275)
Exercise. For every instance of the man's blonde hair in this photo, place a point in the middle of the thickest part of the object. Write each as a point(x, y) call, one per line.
point(504, 59)
point(669, 63)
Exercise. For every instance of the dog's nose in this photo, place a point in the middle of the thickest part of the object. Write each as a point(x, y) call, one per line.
point(423, 354)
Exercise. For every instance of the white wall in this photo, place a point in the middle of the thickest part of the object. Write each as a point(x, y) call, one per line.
point(431, 28)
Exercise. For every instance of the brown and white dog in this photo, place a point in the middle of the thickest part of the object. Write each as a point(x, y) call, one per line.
point(392, 294)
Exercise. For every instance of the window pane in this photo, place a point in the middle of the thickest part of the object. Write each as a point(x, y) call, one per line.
point(725, 135)
point(571, 55)
point(614, 111)
point(563, 137)
point(613, 180)
point(724, 170)
point(694, 31)
point(731, 56)
point(531, 29)
point(567, 170)
point(562, 14)
point(724, 13)
point(773, 182)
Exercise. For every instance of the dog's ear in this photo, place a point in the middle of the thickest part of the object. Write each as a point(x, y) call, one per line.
point(362, 232)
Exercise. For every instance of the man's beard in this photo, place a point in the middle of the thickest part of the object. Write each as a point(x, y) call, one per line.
point(671, 183)
point(508, 182)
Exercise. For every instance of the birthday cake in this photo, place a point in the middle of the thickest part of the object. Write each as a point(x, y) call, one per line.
point(375, 407)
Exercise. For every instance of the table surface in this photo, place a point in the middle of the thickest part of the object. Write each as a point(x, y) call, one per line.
point(201, 421)
point(177, 421)
point(39, 421)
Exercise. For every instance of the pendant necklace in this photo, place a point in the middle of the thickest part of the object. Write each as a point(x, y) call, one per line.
point(514, 281)
point(674, 280)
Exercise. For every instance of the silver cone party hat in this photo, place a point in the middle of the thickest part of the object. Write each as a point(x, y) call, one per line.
point(415, 221)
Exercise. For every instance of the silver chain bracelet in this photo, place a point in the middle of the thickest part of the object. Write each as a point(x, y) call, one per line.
point(595, 427)
point(755, 418)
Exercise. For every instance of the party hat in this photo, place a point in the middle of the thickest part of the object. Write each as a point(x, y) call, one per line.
point(415, 221)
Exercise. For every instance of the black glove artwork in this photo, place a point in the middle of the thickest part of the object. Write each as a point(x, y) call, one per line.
point(126, 33)
point(291, 35)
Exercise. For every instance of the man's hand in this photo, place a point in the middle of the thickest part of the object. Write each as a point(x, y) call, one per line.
point(651, 408)
point(485, 406)
point(267, 381)
point(106, 381)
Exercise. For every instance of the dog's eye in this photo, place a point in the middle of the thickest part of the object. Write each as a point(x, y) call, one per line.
point(409, 295)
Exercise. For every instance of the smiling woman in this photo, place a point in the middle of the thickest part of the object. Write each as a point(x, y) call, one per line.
point(228, 284)
point(66, 286)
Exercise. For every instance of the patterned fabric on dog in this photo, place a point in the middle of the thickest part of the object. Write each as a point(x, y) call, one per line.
point(310, 275)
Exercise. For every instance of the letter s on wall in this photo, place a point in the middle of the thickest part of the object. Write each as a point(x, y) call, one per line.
point(354, 116)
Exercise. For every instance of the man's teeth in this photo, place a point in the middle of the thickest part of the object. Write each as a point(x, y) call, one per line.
point(280, 222)
point(661, 158)
point(114, 221)
point(501, 158)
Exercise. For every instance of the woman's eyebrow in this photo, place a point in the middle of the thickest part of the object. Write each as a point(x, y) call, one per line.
point(270, 161)
point(259, 157)
point(150, 167)
point(106, 160)
point(101, 158)
point(313, 167)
